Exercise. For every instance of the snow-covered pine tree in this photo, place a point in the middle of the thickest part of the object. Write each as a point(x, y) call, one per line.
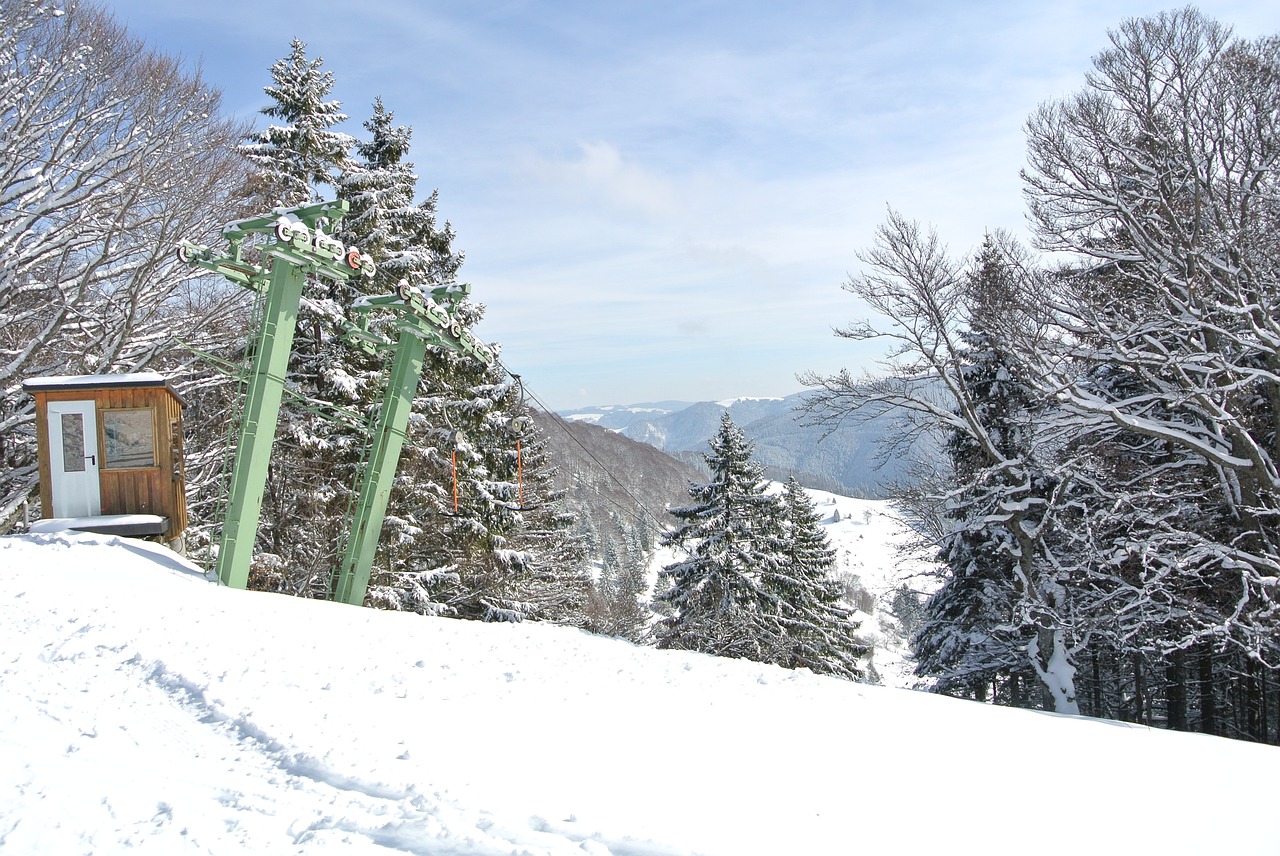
point(379, 186)
point(319, 440)
point(405, 237)
point(716, 594)
point(818, 628)
point(968, 641)
point(971, 639)
point(299, 152)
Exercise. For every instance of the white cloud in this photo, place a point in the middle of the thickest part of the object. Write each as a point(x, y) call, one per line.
point(598, 177)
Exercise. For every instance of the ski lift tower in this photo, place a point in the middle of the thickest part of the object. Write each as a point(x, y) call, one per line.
point(421, 319)
point(297, 245)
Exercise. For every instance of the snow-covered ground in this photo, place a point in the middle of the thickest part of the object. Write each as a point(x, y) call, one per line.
point(144, 708)
point(868, 535)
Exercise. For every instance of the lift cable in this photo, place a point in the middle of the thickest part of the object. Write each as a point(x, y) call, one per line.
point(559, 422)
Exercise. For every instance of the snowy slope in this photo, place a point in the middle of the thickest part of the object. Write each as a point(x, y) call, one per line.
point(867, 535)
point(143, 708)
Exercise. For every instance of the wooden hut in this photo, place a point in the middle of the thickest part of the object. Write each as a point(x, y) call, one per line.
point(110, 453)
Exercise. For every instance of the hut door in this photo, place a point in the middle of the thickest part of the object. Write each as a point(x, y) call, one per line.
point(73, 459)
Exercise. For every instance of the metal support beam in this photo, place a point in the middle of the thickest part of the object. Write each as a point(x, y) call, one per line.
point(297, 245)
point(378, 478)
point(258, 430)
point(422, 321)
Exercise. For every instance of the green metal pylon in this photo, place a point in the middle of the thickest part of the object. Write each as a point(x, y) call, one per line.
point(258, 426)
point(300, 247)
point(421, 321)
point(384, 457)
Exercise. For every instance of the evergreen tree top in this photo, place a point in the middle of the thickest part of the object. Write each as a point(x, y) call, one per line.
point(301, 153)
point(389, 143)
point(300, 89)
point(379, 187)
point(731, 455)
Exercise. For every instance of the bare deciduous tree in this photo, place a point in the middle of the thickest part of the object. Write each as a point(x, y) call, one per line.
point(110, 155)
point(1160, 178)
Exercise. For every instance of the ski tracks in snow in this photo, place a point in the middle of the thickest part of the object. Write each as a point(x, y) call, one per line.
point(126, 709)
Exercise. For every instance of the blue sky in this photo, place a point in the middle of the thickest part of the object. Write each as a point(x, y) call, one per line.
point(661, 201)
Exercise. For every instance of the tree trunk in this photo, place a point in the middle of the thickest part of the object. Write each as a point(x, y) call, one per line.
point(1096, 689)
point(1208, 706)
point(1017, 693)
point(1276, 708)
point(1139, 691)
point(1254, 724)
point(1264, 714)
point(1056, 672)
point(1176, 705)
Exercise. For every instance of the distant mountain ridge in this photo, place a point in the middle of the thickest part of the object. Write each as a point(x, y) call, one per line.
point(615, 416)
point(843, 461)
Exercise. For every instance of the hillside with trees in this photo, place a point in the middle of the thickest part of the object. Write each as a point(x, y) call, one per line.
point(618, 492)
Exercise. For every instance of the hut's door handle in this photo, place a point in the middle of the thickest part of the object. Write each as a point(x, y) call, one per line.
point(92, 459)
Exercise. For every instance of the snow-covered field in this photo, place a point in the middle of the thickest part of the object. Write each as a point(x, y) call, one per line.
point(867, 535)
point(144, 708)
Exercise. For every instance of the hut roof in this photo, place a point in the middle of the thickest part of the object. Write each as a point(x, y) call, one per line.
point(131, 379)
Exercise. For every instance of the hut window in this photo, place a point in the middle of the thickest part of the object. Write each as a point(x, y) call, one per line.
point(129, 438)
